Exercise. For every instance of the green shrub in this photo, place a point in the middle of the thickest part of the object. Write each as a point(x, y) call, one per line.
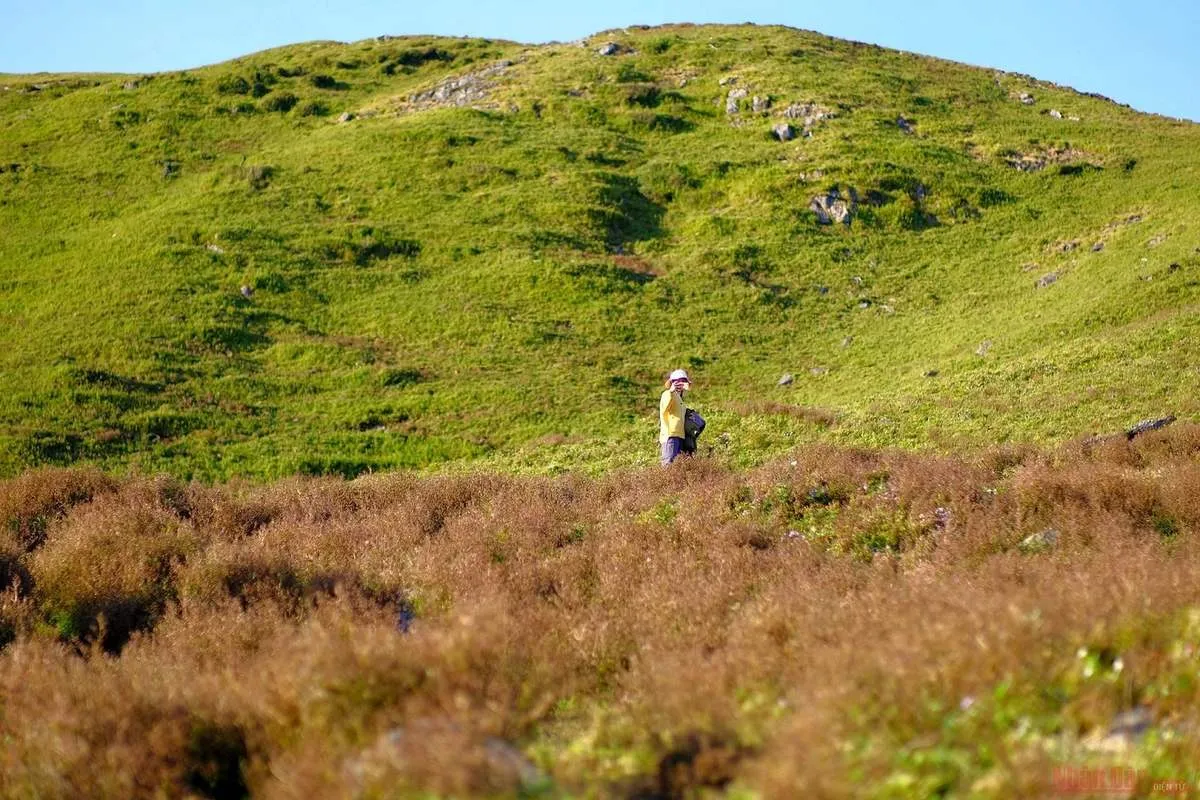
point(281, 102)
point(312, 108)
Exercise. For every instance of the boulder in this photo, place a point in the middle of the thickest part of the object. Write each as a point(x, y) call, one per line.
point(734, 99)
point(905, 125)
point(247, 292)
point(1026, 99)
point(983, 348)
point(830, 207)
point(785, 380)
point(784, 132)
point(1097, 247)
point(1042, 540)
point(345, 117)
point(1054, 112)
point(1147, 425)
point(1047, 280)
point(610, 49)
point(759, 104)
point(728, 80)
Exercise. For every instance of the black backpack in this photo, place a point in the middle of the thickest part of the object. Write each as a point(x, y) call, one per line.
point(693, 426)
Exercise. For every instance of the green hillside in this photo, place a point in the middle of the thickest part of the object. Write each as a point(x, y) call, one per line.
point(502, 248)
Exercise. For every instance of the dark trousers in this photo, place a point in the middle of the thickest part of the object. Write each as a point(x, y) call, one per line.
point(671, 449)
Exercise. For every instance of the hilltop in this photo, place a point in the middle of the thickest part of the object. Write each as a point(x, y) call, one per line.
point(420, 251)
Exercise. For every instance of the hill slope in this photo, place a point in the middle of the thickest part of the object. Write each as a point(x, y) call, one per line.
point(208, 272)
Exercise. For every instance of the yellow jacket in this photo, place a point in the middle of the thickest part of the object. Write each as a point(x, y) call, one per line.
point(670, 416)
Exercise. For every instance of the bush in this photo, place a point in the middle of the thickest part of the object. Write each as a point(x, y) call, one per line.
point(282, 102)
point(233, 84)
point(321, 81)
point(312, 108)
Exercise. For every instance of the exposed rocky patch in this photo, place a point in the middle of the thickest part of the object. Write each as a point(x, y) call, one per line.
point(1067, 157)
point(471, 90)
point(808, 114)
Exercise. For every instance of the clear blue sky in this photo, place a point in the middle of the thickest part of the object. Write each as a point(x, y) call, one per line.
point(1146, 54)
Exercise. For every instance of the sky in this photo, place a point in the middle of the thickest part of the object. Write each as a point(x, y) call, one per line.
point(1144, 54)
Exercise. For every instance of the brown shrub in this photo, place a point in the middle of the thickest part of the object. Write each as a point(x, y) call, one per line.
point(31, 502)
point(806, 628)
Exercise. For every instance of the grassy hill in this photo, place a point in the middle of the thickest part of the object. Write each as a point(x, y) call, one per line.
point(314, 259)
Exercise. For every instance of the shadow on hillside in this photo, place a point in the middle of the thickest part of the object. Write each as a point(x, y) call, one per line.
point(624, 212)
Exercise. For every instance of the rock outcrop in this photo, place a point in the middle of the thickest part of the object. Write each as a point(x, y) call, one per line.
point(831, 207)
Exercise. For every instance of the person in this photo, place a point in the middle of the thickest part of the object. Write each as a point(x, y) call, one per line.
point(670, 416)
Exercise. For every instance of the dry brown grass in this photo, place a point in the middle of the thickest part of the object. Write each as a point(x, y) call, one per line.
point(808, 628)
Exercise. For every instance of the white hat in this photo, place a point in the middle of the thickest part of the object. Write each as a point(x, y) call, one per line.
point(679, 375)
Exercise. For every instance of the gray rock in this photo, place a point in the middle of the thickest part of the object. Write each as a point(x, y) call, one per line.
point(507, 760)
point(345, 117)
point(847, 341)
point(1054, 112)
point(941, 518)
point(808, 114)
point(905, 125)
point(609, 49)
point(1147, 425)
point(759, 104)
point(1026, 99)
point(733, 101)
point(1042, 540)
point(1097, 247)
point(728, 80)
point(817, 372)
point(930, 373)
point(784, 132)
point(983, 348)
point(1156, 240)
point(214, 248)
point(1047, 280)
point(831, 207)
point(247, 292)
point(786, 379)
point(1131, 724)
point(129, 86)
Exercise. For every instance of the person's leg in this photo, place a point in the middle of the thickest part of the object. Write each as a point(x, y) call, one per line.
point(670, 450)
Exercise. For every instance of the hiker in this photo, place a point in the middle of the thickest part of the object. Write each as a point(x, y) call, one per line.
point(678, 426)
point(670, 416)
